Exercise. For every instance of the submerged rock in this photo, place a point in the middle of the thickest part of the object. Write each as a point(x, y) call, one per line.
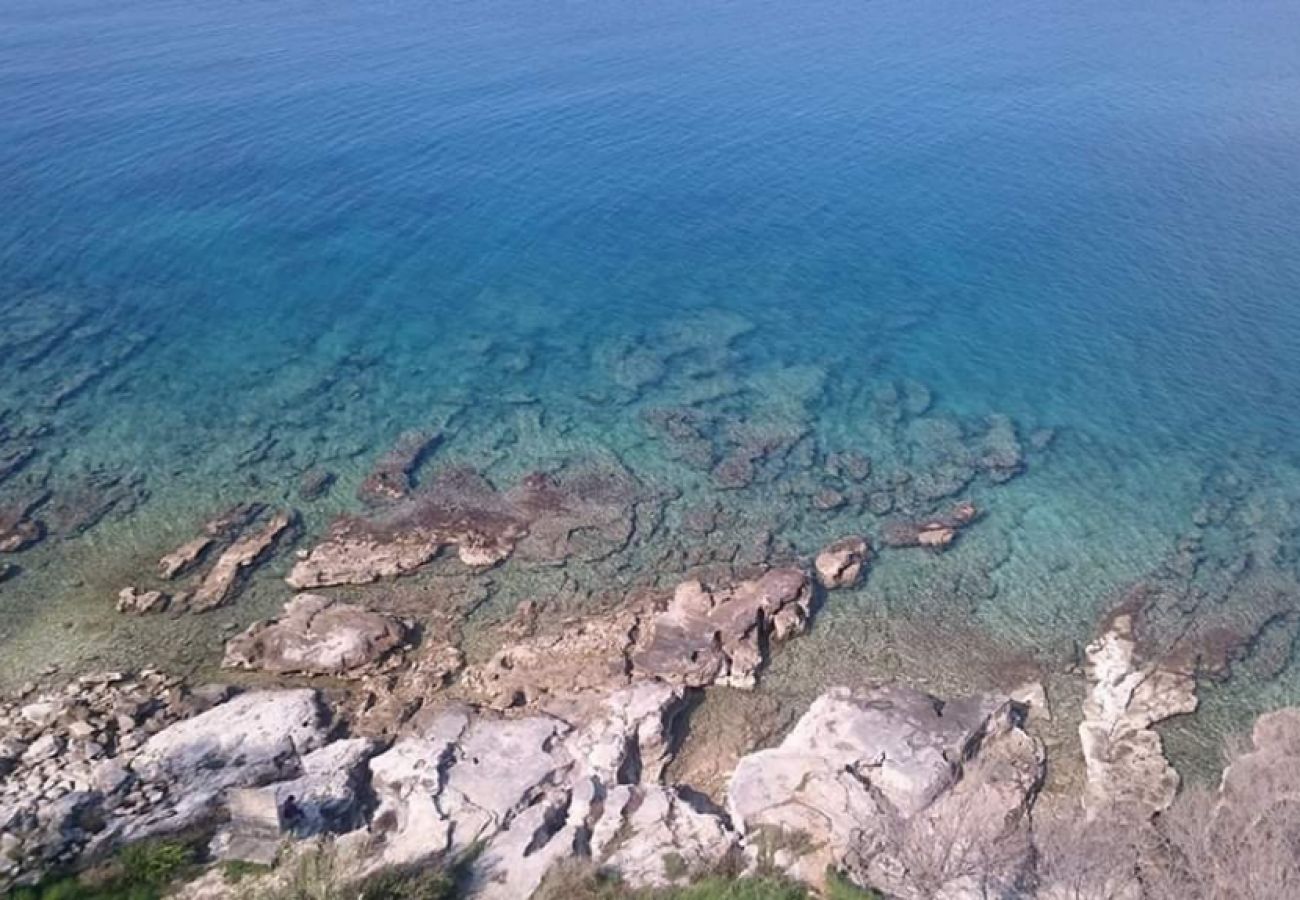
point(317, 636)
point(219, 530)
point(390, 480)
point(935, 532)
point(586, 512)
point(18, 529)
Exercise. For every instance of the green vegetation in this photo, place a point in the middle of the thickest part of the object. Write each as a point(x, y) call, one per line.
point(578, 882)
point(139, 872)
point(408, 884)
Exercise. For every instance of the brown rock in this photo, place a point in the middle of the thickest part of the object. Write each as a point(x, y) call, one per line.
point(317, 636)
point(585, 512)
point(184, 558)
point(840, 565)
point(134, 600)
point(701, 635)
point(219, 530)
point(709, 636)
point(223, 579)
point(936, 532)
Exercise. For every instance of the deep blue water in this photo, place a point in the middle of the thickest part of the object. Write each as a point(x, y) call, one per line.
point(1085, 216)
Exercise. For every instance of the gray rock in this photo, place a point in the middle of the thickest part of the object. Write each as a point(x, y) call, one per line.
point(252, 739)
point(860, 773)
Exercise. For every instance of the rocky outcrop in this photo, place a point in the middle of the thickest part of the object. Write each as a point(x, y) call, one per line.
point(316, 636)
point(250, 739)
point(226, 574)
point(133, 600)
point(582, 511)
point(326, 797)
point(216, 531)
point(840, 565)
point(1126, 769)
point(869, 781)
point(116, 758)
point(874, 783)
point(934, 532)
point(537, 790)
point(717, 635)
point(700, 636)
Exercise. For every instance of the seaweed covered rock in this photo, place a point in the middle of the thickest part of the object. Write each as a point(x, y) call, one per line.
point(584, 511)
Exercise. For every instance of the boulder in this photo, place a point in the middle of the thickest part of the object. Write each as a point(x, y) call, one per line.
point(134, 600)
point(840, 565)
point(316, 636)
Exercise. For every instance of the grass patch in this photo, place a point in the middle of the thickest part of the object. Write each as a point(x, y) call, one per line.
point(578, 881)
point(139, 872)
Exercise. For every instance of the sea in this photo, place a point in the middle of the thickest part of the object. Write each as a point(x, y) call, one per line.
point(241, 241)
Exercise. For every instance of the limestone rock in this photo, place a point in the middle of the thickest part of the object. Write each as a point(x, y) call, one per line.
point(840, 565)
point(1126, 769)
point(653, 836)
point(859, 772)
point(631, 737)
point(325, 797)
point(317, 636)
point(251, 739)
point(460, 779)
point(717, 635)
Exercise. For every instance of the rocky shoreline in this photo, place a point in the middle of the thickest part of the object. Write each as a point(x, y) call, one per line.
point(557, 749)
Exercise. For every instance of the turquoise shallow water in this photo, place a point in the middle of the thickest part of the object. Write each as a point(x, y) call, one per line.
point(288, 232)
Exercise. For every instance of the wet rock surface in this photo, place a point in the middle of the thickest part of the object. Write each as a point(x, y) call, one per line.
point(227, 573)
point(580, 512)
